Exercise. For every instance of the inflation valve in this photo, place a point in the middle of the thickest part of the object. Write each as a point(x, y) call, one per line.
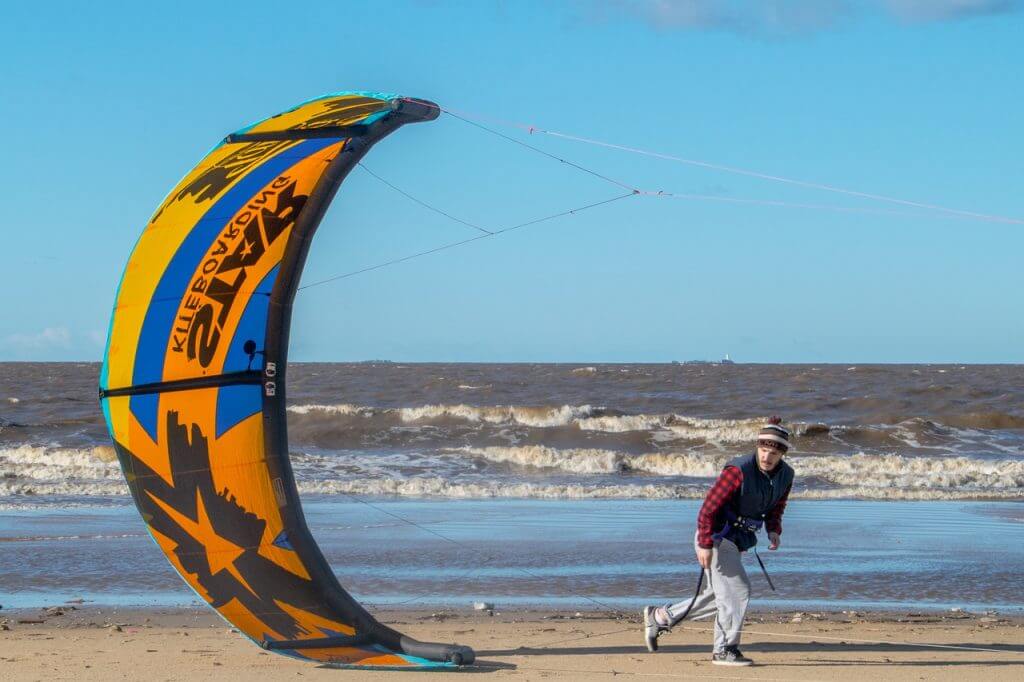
point(249, 348)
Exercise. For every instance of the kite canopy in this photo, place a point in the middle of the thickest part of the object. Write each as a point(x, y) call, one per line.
point(194, 377)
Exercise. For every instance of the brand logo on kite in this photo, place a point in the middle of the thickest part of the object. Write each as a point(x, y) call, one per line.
point(204, 311)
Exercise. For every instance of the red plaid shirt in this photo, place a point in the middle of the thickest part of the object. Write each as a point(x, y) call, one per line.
point(728, 485)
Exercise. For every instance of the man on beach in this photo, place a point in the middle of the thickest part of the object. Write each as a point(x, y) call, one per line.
point(751, 491)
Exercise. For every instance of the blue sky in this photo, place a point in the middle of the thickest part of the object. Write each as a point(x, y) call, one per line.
point(106, 108)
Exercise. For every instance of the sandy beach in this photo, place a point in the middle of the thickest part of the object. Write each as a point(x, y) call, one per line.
point(83, 643)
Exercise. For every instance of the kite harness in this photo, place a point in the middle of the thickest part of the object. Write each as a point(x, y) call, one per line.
point(734, 521)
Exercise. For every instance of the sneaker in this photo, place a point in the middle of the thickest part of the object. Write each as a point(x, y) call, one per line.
point(730, 656)
point(651, 629)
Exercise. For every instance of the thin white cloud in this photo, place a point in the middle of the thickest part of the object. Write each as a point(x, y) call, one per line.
point(780, 17)
point(948, 10)
point(49, 338)
point(765, 16)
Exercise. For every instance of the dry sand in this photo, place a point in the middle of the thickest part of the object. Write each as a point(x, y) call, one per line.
point(82, 643)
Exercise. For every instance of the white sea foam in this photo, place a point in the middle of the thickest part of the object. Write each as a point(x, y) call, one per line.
point(542, 416)
point(918, 434)
point(914, 473)
point(57, 538)
point(343, 409)
point(677, 426)
point(900, 494)
point(442, 487)
point(64, 488)
point(527, 416)
point(598, 461)
point(575, 460)
point(28, 496)
point(716, 430)
point(43, 463)
point(623, 423)
point(585, 417)
point(49, 471)
point(37, 470)
point(861, 471)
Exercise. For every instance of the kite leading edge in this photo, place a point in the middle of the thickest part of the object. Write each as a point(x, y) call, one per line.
point(193, 382)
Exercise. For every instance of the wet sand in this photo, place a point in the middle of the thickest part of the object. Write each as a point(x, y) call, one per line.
point(77, 642)
point(553, 554)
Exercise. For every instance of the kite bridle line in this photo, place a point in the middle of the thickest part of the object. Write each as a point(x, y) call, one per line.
point(933, 210)
point(451, 245)
point(423, 203)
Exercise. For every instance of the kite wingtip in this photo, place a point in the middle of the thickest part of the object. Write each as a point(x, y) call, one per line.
point(415, 110)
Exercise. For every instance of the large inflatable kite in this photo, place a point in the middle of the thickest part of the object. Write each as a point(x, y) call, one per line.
point(194, 380)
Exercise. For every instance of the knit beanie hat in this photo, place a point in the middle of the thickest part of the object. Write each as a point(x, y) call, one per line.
point(777, 433)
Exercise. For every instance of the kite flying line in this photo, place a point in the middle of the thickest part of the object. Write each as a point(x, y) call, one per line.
point(934, 210)
point(747, 172)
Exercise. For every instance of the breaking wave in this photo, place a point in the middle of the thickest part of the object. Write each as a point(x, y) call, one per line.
point(862, 471)
point(915, 473)
point(596, 461)
point(43, 463)
point(500, 414)
point(584, 417)
point(434, 486)
point(976, 435)
point(592, 472)
point(444, 488)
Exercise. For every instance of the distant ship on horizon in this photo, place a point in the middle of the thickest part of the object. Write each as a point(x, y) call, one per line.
point(724, 361)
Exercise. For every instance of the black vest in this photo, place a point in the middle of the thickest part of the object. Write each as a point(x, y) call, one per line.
point(758, 495)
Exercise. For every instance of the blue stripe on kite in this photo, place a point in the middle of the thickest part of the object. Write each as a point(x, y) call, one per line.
point(251, 325)
point(234, 406)
point(283, 542)
point(159, 320)
point(146, 404)
point(235, 403)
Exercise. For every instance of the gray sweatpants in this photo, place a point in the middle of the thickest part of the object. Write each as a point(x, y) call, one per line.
point(725, 591)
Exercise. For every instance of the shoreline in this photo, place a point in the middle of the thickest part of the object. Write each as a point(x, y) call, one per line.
point(760, 608)
point(73, 613)
point(33, 502)
point(553, 555)
point(81, 642)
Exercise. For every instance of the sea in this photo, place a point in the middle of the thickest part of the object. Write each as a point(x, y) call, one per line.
point(568, 486)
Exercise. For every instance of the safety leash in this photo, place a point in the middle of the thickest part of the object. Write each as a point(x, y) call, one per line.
point(764, 570)
point(696, 593)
